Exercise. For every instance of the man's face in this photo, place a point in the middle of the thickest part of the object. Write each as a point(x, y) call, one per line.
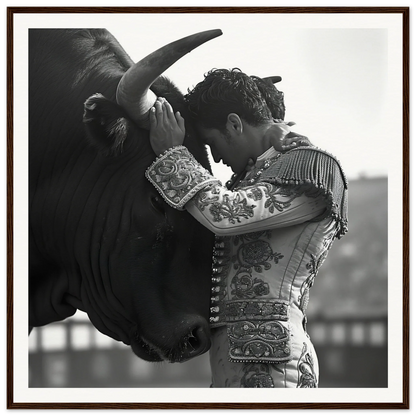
point(225, 147)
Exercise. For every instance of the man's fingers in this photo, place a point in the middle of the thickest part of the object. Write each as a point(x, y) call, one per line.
point(290, 146)
point(152, 116)
point(160, 112)
point(293, 143)
point(180, 120)
point(169, 111)
point(302, 141)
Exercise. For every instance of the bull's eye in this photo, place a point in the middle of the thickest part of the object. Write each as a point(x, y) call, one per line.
point(157, 203)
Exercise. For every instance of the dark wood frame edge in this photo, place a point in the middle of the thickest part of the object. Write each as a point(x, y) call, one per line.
point(405, 404)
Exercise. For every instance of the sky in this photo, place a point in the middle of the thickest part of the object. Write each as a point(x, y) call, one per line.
point(337, 80)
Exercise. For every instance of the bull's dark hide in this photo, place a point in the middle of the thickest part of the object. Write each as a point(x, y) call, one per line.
point(101, 240)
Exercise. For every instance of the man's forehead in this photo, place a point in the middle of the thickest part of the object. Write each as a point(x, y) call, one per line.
point(207, 135)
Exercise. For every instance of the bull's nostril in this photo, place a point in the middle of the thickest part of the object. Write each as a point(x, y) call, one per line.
point(193, 339)
point(197, 343)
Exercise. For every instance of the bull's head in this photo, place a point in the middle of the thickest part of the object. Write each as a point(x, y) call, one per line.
point(159, 258)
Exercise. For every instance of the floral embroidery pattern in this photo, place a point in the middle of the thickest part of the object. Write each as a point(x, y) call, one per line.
point(243, 286)
point(306, 373)
point(272, 194)
point(259, 375)
point(253, 254)
point(232, 209)
point(313, 267)
point(328, 240)
point(256, 194)
point(257, 380)
point(256, 254)
point(265, 341)
point(315, 263)
point(203, 200)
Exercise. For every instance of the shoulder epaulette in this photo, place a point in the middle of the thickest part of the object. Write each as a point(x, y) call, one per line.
point(318, 171)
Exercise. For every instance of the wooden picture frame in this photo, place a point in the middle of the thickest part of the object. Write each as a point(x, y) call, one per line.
point(404, 404)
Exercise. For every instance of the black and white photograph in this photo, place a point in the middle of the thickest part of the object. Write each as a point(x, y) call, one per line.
point(208, 198)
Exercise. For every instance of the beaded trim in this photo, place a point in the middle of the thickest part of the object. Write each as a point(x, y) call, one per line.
point(177, 176)
point(220, 267)
point(238, 310)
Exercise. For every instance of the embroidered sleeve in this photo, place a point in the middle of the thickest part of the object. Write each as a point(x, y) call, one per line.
point(178, 176)
point(255, 208)
point(184, 183)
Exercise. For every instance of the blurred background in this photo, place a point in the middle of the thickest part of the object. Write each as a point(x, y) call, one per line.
point(338, 89)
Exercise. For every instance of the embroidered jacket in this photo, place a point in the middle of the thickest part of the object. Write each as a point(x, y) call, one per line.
point(273, 233)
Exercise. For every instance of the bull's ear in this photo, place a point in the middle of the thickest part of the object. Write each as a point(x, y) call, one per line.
point(272, 80)
point(106, 124)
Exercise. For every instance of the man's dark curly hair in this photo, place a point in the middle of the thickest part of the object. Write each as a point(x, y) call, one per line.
point(226, 91)
point(273, 97)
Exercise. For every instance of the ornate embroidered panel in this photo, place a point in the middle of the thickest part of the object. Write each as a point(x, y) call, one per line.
point(259, 341)
point(177, 176)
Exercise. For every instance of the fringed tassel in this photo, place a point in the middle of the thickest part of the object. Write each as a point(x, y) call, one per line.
point(321, 171)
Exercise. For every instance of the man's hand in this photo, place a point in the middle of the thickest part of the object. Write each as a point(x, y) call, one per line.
point(166, 128)
point(282, 139)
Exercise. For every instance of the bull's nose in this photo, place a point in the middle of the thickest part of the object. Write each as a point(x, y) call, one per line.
point(196, 343)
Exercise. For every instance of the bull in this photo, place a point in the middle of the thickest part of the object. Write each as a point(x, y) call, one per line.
point(101, 240)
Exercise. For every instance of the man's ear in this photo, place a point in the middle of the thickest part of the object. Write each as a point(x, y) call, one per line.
point(234, 124)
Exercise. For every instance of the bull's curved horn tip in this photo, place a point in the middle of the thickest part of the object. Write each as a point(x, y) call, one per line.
point(213, 32)
point(273, 79)
point(210, 33)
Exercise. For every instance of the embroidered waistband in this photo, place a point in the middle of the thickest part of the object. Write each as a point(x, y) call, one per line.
point(239, 310)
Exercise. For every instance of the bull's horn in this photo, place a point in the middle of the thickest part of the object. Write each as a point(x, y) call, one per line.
point(133, 92)
point(273, 80)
